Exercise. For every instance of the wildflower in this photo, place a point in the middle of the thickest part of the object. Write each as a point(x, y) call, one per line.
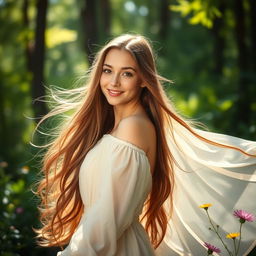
point(232, 235)
point(211, 248)
point(5, 200)
point(244, 216)
point(205, 206)
point(19, 210)
point(25, 169)
point(12, 228)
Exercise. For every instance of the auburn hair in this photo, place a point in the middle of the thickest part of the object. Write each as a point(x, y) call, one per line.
point(90, 117)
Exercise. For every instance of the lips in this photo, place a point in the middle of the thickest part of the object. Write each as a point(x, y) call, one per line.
point(114, 93)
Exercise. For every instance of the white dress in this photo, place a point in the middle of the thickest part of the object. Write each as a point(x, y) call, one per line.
point(115, 180)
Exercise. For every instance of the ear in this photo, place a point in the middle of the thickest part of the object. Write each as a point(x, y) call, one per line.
point(143, 84)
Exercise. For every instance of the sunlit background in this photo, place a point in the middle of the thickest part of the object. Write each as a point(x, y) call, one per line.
point(206, 47)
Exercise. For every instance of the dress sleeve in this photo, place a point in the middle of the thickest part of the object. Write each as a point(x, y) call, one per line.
point(125, 185)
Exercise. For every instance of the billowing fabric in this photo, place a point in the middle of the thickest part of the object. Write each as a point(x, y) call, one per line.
point(115, 181)
point(210, 174)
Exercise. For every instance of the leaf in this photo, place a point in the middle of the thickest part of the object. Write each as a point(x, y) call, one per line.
point(56, 36)
point(197, 18)
point(203, 12)
point(184, 7)
point(225, 105)
point(18, 186)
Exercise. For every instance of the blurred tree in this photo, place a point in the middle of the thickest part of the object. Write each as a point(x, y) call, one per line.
point(105, 8)
point(38, 57)
point(96, 23)
point(3, 123)
point(164, 17)
point(219, 40)
point(90, 26)
point(252, 9)
point(245, 97)
point(243, 101)
point(14, 86)
point(27, 41)
point(221, 18)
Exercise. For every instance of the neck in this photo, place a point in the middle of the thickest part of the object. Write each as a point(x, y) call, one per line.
point(123, 112)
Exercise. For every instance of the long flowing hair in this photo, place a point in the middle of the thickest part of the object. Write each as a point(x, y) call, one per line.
point(61, 205)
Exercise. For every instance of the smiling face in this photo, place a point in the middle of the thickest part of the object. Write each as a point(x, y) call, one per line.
point(120, 81)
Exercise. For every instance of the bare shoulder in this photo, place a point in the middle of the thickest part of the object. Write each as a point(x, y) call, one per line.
point(137, 130)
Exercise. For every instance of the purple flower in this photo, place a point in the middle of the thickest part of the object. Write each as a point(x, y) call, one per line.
point(19, 210)
point(211, 248)
point(244, 216)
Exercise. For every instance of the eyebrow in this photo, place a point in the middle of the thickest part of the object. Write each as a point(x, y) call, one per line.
point(121, 68)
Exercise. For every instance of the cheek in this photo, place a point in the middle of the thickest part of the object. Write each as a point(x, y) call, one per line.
point(131, 85)
point(103, 81)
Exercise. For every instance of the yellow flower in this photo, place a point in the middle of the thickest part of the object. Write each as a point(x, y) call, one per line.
point(205, 206)
point(232, 235)
point(25, 169)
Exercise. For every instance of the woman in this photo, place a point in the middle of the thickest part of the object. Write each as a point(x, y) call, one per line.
point(125, 173)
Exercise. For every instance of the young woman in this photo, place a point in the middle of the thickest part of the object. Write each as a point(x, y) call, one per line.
point(125, 174)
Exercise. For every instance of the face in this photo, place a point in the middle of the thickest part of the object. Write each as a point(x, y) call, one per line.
point(120, 81)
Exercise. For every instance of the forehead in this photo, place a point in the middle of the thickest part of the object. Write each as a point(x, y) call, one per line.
point(119, 57)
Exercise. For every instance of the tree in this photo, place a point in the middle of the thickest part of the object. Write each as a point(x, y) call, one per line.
point(96, 24)
point(38, 58)
point(243, 112)
point(164, 19)
point(219, 40)
point(105, 8)
point(220, 18)
point(28, 48)
point(90, 27)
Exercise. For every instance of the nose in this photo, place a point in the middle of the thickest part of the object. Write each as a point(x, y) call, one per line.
point(115, 80)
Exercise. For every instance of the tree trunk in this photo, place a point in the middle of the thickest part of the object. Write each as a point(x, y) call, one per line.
point(243, 110)
point(253, 34)
point(38, 89)
point(90, 27)
point(252, 62)
point(28, 46)
point(4, 149)
point(219, 42)
point(105, 9)
point(164, 18)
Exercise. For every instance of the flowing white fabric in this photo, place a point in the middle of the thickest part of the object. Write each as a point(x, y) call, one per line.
point(115, 181)
point(210, 174)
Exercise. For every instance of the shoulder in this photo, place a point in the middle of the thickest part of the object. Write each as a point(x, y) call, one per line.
point(137, 130)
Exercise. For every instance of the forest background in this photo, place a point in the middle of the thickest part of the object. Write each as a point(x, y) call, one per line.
point(206, 47)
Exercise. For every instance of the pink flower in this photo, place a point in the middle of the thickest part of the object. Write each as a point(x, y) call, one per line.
point(211, 248)
point(244, 216)
point(19, 210)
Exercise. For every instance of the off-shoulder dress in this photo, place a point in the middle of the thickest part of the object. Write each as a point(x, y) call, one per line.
point(114, 182)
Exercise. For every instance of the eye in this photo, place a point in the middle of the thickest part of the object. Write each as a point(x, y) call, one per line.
point(128, 74)
point(106, 70)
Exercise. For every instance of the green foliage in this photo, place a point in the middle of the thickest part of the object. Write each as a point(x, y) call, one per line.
point(17, 210)
point(65, 56)
point(56, 36)
point(15, 101)
point(202, 11)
